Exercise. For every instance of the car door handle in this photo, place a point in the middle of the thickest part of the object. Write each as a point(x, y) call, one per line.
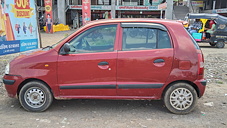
point(103, 63)
point(159, 61)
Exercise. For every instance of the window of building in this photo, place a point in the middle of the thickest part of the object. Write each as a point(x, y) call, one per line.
point(104, 2)
point(76, 2)
point(132, 2)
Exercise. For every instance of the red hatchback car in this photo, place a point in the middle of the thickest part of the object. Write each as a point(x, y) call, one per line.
point(113, 59)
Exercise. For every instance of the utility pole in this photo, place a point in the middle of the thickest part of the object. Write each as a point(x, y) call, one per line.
point(169, 10)
point(61, 11)
point(214, 4)
point(113, 10)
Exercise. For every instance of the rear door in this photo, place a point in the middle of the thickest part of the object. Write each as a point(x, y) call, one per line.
point(145, 59)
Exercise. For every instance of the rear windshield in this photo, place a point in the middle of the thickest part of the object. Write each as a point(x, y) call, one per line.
point(193, 40)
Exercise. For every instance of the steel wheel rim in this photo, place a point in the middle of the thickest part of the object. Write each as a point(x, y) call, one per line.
point(181, 98)
point(35, 97)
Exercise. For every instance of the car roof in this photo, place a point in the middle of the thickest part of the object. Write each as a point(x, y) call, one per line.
point(122, 20)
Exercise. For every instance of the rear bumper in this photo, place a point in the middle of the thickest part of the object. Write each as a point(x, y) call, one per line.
point(201, 84)
point(11, 84)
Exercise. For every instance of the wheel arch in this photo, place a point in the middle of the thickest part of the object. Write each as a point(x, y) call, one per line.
point(32, 79)
point(183, 81)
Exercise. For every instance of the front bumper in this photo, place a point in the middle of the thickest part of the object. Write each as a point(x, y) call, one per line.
point(8, 82)
point(12, 83)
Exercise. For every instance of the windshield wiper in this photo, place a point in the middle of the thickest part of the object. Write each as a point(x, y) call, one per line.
point(49, 47)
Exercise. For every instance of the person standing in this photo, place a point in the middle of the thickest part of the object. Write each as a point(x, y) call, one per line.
point(49, 23)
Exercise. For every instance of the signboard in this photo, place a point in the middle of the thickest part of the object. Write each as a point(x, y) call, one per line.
point(162, 6)
point(136, 8)
point(49, 16)
point(99, 7)
point(197, 3)
point(93, 7)
point(18, 26)
point(221, 10)
point(86, 11)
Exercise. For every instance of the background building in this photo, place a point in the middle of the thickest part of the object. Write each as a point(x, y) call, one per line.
point(101, 9)
point(69, 11)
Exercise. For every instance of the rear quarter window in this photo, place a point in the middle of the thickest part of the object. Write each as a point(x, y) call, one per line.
point(193, 40)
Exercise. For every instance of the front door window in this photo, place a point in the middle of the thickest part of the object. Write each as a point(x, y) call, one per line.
point(97, 39)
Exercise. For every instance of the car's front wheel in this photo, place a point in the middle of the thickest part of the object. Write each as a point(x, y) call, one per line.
point(180, 98)
point(35, 96)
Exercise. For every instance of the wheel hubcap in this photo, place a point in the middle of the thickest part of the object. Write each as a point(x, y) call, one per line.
point(34, 97)
point(181, 98)
point(220, 44)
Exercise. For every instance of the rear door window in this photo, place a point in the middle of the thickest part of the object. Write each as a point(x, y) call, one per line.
point(144, 38)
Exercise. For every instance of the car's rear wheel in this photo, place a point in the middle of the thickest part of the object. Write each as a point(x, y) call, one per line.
point(220, 44)
point(180, 98)
point(35, 96)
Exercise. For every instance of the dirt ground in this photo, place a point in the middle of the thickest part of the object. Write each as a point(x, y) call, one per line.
point(210, 112)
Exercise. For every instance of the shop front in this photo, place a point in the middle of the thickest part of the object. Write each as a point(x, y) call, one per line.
point(104, 12)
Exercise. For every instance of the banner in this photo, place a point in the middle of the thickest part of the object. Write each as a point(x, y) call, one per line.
point(18, 26)
point(197, 3)
point(49, 16)
point(162, 6)
point(101, 7)
point(86, 11)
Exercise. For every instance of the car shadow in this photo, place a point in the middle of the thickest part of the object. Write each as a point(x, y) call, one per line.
point(108, 105)
point(207, 46)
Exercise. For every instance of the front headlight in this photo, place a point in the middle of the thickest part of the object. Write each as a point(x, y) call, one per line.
point(7, 69)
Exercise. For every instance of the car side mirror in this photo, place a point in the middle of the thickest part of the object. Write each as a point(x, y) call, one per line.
point(65, 49)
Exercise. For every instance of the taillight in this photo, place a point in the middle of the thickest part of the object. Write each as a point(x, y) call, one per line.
point(200, 64)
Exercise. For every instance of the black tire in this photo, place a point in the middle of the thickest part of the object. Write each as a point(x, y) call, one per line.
point(212, 44)
point(220, 44)
point(179, 103)
point(35, 96)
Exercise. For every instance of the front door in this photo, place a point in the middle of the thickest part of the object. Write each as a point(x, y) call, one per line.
point(90, 67)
